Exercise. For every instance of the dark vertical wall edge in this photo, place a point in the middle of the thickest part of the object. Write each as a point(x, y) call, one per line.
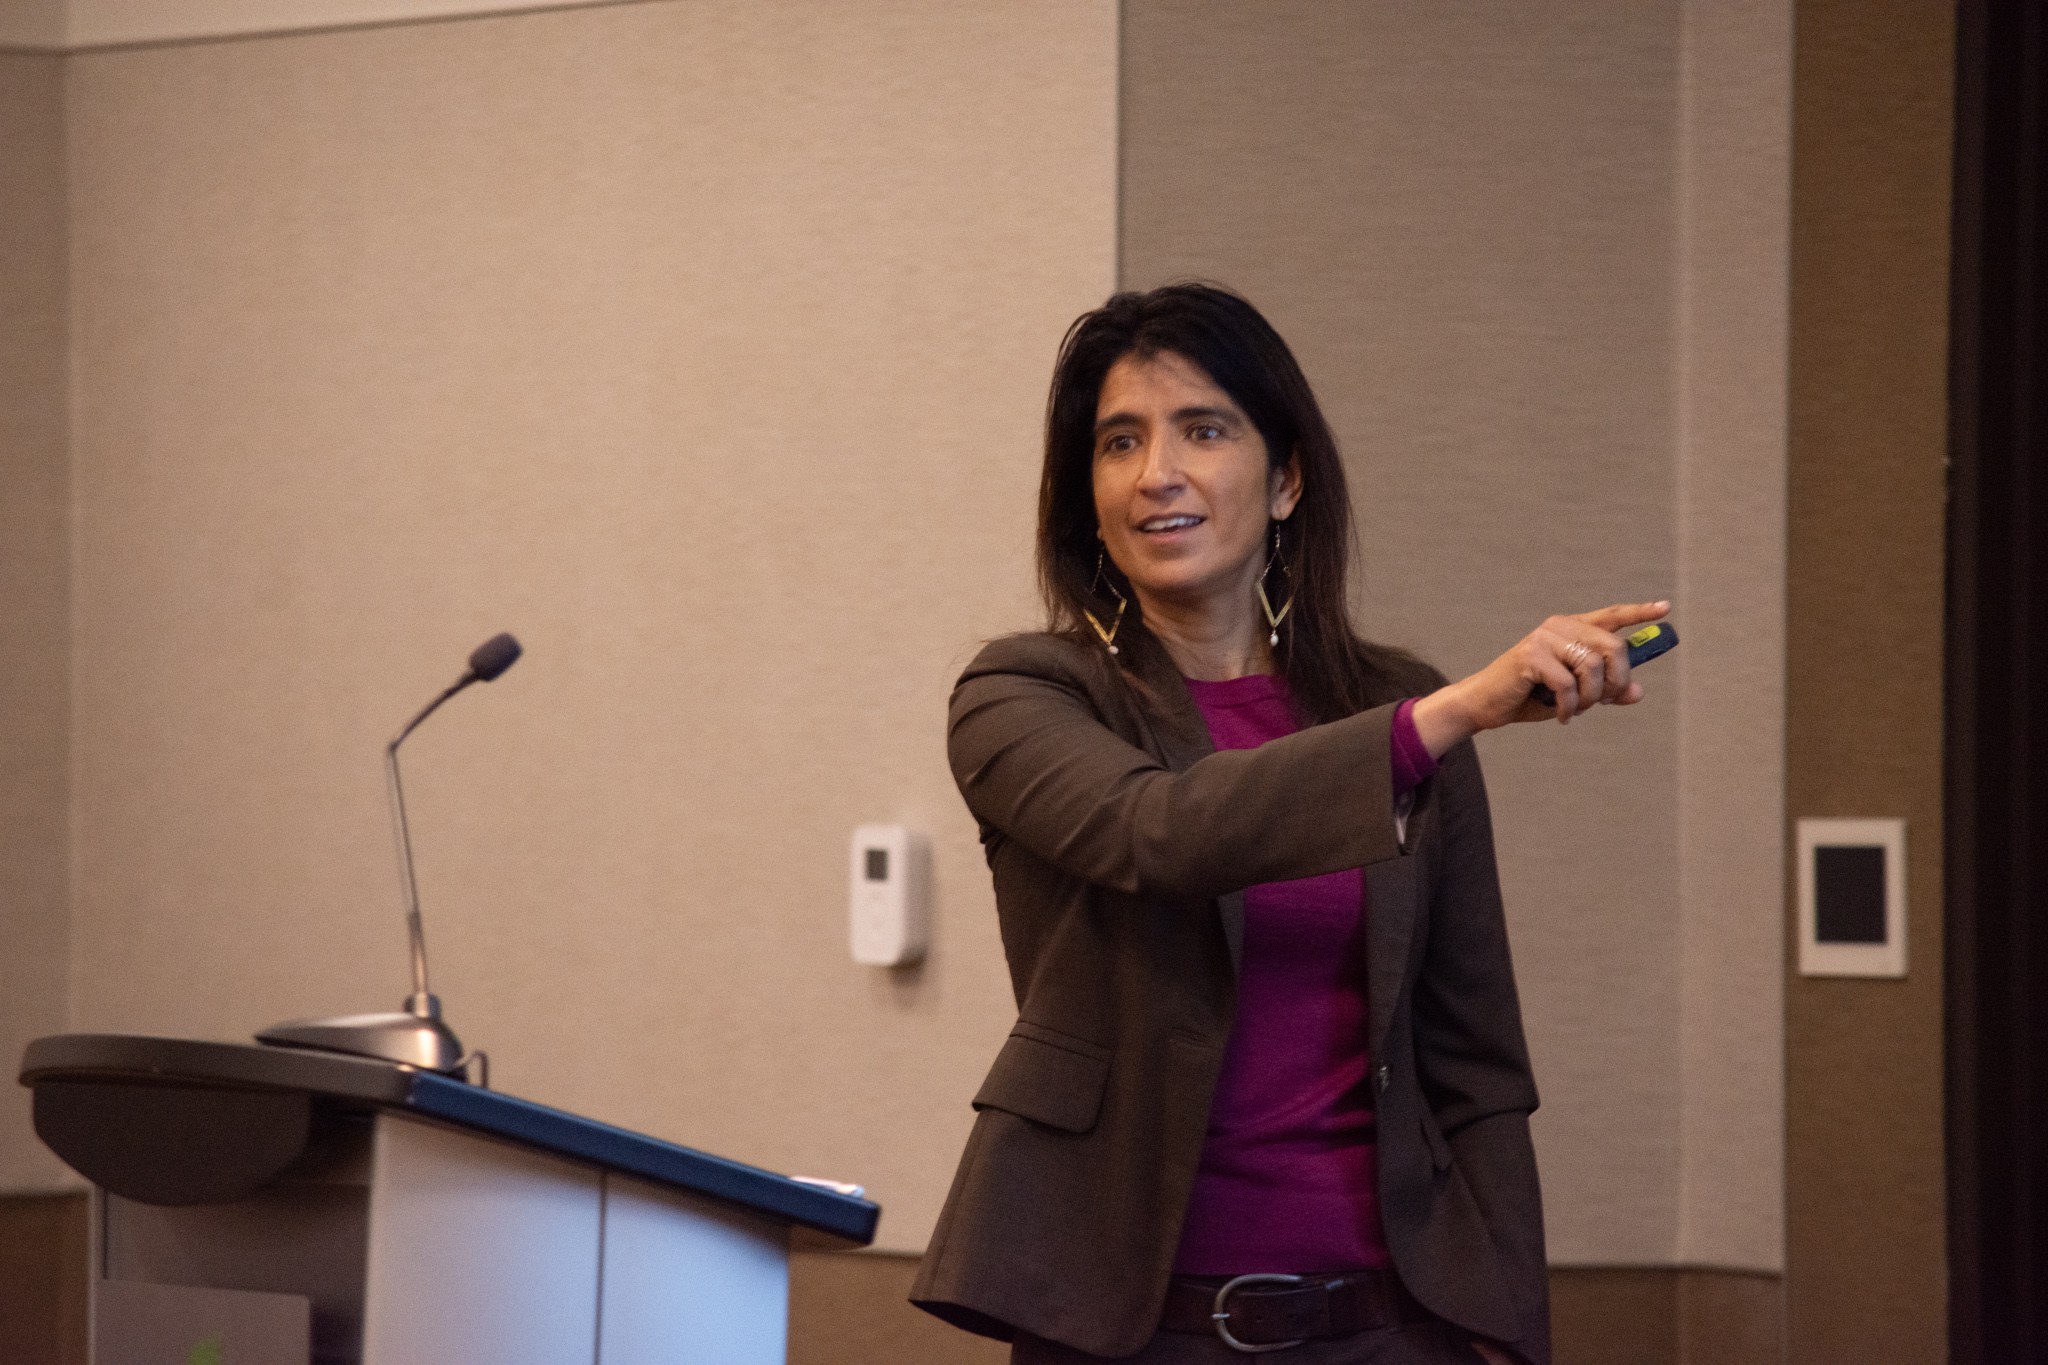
point(1996, 764)
point(1959, 721)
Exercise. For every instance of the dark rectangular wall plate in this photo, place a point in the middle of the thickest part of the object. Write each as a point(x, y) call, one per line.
point(1852, 897)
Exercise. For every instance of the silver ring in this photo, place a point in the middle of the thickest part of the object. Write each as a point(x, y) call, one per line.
point(1575, 653)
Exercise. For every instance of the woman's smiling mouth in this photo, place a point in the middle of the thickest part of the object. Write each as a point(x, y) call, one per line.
point(1166, 525)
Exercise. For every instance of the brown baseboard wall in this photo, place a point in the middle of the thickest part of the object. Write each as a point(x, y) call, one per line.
point(1666, 1315)
point(42, 1279)
point(853, 1308)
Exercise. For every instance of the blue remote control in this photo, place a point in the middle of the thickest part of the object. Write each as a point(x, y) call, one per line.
point(1644, 644)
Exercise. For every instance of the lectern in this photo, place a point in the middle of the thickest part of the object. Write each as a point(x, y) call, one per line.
point(258, 1204)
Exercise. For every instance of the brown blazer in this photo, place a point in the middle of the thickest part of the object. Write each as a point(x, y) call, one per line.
point(1120, 846)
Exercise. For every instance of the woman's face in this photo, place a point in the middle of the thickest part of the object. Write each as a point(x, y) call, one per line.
point(1183, 491)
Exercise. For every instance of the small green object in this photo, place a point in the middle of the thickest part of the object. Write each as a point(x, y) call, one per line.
point(207, 1352)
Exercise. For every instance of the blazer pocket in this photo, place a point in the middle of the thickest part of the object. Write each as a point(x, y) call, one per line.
point(1439, 1150)
point(1050, 1082)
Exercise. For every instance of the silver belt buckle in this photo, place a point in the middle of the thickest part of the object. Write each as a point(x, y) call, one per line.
point(1221, 1315)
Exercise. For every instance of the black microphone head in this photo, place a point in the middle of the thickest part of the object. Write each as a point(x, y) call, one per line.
point(493, 657)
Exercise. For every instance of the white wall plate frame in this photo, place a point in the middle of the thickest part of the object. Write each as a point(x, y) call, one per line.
point(1844, 853)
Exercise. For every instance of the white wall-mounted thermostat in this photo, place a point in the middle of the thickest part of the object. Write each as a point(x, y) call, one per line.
point(1852, 897)
point(891, 895)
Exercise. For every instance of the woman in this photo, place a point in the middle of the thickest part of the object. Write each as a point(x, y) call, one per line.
point(1242, 858)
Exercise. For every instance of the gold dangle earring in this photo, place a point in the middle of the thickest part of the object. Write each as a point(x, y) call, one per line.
point(1108, 636)
point(1273, 619)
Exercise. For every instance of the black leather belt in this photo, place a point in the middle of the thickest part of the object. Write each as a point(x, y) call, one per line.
point(1255, 1313)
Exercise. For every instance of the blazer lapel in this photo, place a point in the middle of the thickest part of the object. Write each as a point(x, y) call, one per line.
point(1390, 911)
point(1230, 906)
point(1182, 741)
point(1179, 742)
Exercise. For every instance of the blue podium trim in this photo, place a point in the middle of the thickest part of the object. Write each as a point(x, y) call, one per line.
point(365, 1085)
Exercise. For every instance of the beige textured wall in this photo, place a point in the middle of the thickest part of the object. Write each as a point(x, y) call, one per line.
point(1867, 1270)
point(1733, 238)
point(1531, 257)
point(30, 25)
point(75, 24)
point(701, 344)
point(34, 548)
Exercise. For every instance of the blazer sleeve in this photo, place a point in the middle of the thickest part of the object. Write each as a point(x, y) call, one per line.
point(1034, 759)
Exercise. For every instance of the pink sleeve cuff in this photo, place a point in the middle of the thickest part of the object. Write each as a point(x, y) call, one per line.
point(1412, 762)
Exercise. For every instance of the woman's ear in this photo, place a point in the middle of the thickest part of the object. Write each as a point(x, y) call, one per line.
point(1284, 489)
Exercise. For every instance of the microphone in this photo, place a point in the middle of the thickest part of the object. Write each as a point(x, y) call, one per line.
point(493, 657)
point(486, 662)
point(416, 1037)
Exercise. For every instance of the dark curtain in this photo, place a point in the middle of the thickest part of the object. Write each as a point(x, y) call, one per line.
point(1996, 783)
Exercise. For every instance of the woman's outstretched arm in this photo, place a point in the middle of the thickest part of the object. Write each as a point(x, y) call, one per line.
point(1035, 761)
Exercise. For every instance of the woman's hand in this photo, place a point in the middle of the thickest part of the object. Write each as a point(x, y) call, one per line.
point(1580, 658)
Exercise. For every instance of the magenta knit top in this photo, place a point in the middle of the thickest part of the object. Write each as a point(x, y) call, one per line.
point(1288, 1180)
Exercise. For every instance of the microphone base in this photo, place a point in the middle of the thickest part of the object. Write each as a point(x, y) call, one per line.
point(407, 1039)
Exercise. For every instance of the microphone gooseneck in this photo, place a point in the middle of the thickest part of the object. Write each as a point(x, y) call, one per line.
point(486, 663)
point(416, 1037)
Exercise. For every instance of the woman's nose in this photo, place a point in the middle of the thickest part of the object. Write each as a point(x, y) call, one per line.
point(1161, 470)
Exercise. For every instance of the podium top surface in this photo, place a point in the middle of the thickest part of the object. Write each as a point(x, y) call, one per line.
point(365, 1085)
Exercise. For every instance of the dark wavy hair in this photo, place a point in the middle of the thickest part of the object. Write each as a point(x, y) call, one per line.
point(1330, 670)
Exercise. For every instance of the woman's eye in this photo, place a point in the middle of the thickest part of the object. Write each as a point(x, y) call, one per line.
point(1204, 431)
